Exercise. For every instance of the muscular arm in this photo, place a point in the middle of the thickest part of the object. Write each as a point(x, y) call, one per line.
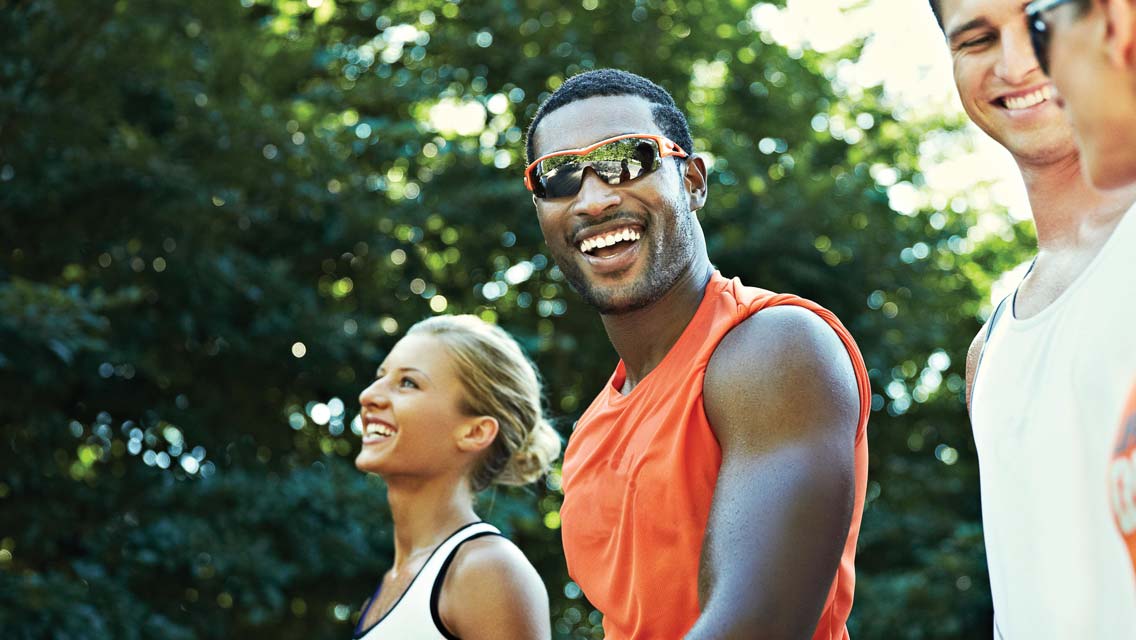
point(491, 591)
point(781, 396)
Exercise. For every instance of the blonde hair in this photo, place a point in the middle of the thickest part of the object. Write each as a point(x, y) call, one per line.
point(499, 381)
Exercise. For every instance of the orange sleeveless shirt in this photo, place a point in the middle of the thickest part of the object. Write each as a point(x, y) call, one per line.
point(1122, 478)
point(639, 475)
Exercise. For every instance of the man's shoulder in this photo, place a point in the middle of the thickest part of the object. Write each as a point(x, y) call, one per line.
point(781, 365)
point(780, 345)
point(771, 335)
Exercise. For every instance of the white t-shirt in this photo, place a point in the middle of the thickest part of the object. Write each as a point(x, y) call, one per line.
point(415, 615)
point(1047, 397)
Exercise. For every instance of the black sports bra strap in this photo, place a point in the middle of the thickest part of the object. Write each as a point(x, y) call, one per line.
point(436, 592)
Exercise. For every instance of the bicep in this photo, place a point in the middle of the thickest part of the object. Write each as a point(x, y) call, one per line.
point(776, 532)
point(784, 403)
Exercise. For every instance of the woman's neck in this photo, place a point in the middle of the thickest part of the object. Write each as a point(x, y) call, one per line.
point(425, 512)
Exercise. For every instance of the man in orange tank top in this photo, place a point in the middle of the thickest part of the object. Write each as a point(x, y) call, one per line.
point(714, 487)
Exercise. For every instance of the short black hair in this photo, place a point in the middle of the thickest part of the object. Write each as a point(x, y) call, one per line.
point(615, 82)
point(935, 10)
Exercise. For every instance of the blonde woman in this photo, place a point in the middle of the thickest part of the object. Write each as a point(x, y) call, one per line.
point(454, 409)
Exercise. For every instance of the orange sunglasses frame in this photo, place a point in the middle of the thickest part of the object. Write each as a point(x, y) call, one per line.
point(667, 149)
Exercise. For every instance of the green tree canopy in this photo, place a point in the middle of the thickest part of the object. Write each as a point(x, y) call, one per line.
point(216, 217)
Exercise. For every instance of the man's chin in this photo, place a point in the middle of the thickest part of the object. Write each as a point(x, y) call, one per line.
point(1040, 150)
point(612, 300)
point(1048, 141)
point(1109, 173)
point(607, 294)
point(617, 305)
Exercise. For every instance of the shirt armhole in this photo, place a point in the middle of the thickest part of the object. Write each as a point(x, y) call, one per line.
point(436, 591)
point(985, 343)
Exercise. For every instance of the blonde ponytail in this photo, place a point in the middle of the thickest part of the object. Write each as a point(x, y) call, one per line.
point(499, 381)
point(532, 460)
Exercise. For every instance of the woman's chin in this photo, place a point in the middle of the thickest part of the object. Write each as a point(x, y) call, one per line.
point(367, 462)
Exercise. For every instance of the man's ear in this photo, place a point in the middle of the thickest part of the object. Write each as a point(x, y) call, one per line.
point(1120, 32)
point(477, 433)
point(695, 181)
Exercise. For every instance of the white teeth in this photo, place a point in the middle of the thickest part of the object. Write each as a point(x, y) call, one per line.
point(375, 429)
point(608, 239)
point(1029, 100)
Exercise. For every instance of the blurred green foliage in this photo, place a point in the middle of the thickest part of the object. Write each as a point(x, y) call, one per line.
point(216, 217)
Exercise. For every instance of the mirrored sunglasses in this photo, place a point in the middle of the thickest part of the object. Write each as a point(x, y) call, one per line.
point(615, 160)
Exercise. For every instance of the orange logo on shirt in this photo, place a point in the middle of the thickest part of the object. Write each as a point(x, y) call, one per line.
point(1122, 478)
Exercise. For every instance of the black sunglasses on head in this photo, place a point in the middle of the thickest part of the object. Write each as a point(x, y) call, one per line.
point(1040, 30)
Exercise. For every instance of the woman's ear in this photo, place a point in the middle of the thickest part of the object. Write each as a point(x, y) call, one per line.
point(477, 433)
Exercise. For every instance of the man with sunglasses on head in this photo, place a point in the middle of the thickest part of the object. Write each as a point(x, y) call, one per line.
point(1088, 48)
point(714, 487)
point(1046, 375)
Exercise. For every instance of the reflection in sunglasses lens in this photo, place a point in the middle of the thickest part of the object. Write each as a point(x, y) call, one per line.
point(646, 156)
point(614, 163)
point(562, 181)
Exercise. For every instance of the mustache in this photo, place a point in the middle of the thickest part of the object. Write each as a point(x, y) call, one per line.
point(620, 216)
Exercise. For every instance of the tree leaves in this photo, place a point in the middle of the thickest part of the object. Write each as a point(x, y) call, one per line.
point(216, 216)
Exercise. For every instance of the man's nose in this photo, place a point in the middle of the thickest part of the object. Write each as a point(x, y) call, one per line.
point(595, 196)
point(1017, 61)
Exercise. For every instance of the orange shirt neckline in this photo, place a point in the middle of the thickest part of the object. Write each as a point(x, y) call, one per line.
point(716, 282)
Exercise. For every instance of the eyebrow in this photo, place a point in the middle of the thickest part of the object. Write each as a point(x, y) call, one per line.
point(981, 21)
point(396, 369)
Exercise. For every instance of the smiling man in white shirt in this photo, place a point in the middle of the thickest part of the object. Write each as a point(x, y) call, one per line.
point(1048, 374)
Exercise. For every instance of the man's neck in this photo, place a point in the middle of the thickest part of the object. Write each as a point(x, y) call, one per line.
point(1067, 211)
point(1073, 220)
point(642, 338)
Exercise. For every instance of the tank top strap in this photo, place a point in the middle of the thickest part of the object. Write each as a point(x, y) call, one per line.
point(1006, 302)
point(415, 614)
point(477, 530)
point(443, 555)
point(751, 300)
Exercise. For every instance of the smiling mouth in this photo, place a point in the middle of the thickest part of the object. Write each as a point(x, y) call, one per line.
point(606, 244)
point(376, 431)
point(1032, 99)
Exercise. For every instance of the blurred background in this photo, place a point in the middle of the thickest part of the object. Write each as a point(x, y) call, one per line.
point(217, 217)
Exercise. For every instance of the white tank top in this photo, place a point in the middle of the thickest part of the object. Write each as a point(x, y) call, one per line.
point(415, 615)
point(1047, 397)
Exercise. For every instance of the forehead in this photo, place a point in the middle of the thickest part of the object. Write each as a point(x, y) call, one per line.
point(421, 351)
point(957, 13)
point(580, 123)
